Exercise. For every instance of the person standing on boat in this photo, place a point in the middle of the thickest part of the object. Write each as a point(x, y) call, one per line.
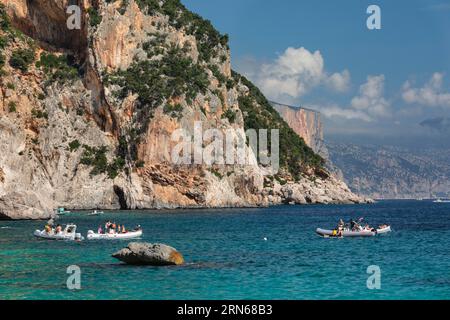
point(352, 224)
point(99, 231)
point(107, 226)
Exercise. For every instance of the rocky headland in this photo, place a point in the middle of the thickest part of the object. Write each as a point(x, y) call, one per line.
point(87, 114)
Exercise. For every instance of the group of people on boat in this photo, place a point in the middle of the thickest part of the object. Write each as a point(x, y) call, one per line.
point(51, 229)
point(112, 228)
point(351, 225)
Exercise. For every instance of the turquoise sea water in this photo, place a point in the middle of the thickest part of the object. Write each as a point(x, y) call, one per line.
point(228, 258)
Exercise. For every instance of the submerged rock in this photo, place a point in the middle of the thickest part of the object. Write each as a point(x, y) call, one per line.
point(149, 254)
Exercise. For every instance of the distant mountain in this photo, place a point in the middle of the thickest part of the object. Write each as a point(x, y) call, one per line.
point(393, 172)
point(440, 124)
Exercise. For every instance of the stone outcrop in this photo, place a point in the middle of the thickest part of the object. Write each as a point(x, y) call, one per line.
point(149, 254)
point(317, 191)
point(81, 142)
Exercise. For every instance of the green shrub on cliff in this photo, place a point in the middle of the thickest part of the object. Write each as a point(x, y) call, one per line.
point(208, 38)
point(175, 111)
point(39, 114)
point(295, 155)
point(4, 19)
point(21, 59)
point(218, 74)
point(57, 68)
point(3, 42)
point(96, 158)
point(12, 106)
point(94, 17)
point(74, 145)
point(154, 81)
point(2, 60)
point(230, 115)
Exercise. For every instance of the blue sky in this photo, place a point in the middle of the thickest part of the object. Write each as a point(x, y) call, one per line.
point(408, 60)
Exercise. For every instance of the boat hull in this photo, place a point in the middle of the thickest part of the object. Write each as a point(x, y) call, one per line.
point(114, 236)
point(61, 237)
point(384, 230)
point(330, 233)
point(363, 233)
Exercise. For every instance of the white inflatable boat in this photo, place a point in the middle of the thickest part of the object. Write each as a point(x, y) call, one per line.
point(91, 235)
point(69, 233)
point(350, 233)
point(95, 213)
point(384, 229)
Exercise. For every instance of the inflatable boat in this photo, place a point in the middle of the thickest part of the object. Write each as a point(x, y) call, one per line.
point(384, 229)
point(91, 235)
point(350, 233)
point(69, 234)
point(95, 213)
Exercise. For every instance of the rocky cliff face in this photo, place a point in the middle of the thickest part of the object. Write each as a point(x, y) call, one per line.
point(87, 115)
point(306, 123)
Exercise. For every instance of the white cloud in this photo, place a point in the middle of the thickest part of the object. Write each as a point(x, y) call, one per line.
point(296, 72)
point(339, 82)
point(371, 98)
point(346, 113)
point(368, 105)
point(431, 94)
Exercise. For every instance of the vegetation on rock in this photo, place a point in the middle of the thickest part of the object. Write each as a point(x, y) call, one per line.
point(21, 59)
point(94, 17)
point(96, 157)
point(5, 24)
point(175, 111)
point(208, 38)
point(295, 155)
point(57, 68)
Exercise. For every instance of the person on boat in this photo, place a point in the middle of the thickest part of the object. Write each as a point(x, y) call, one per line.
point(352, 224)
point(99, 230)
point(108, 226)
point(58, 229)
point(48, 229)
point(340, 231)
point(123, 229)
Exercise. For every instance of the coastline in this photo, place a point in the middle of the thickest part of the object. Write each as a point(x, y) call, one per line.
point(181, 208)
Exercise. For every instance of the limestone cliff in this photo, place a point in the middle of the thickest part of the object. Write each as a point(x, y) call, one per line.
point(87, 114)
point(306, 123)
